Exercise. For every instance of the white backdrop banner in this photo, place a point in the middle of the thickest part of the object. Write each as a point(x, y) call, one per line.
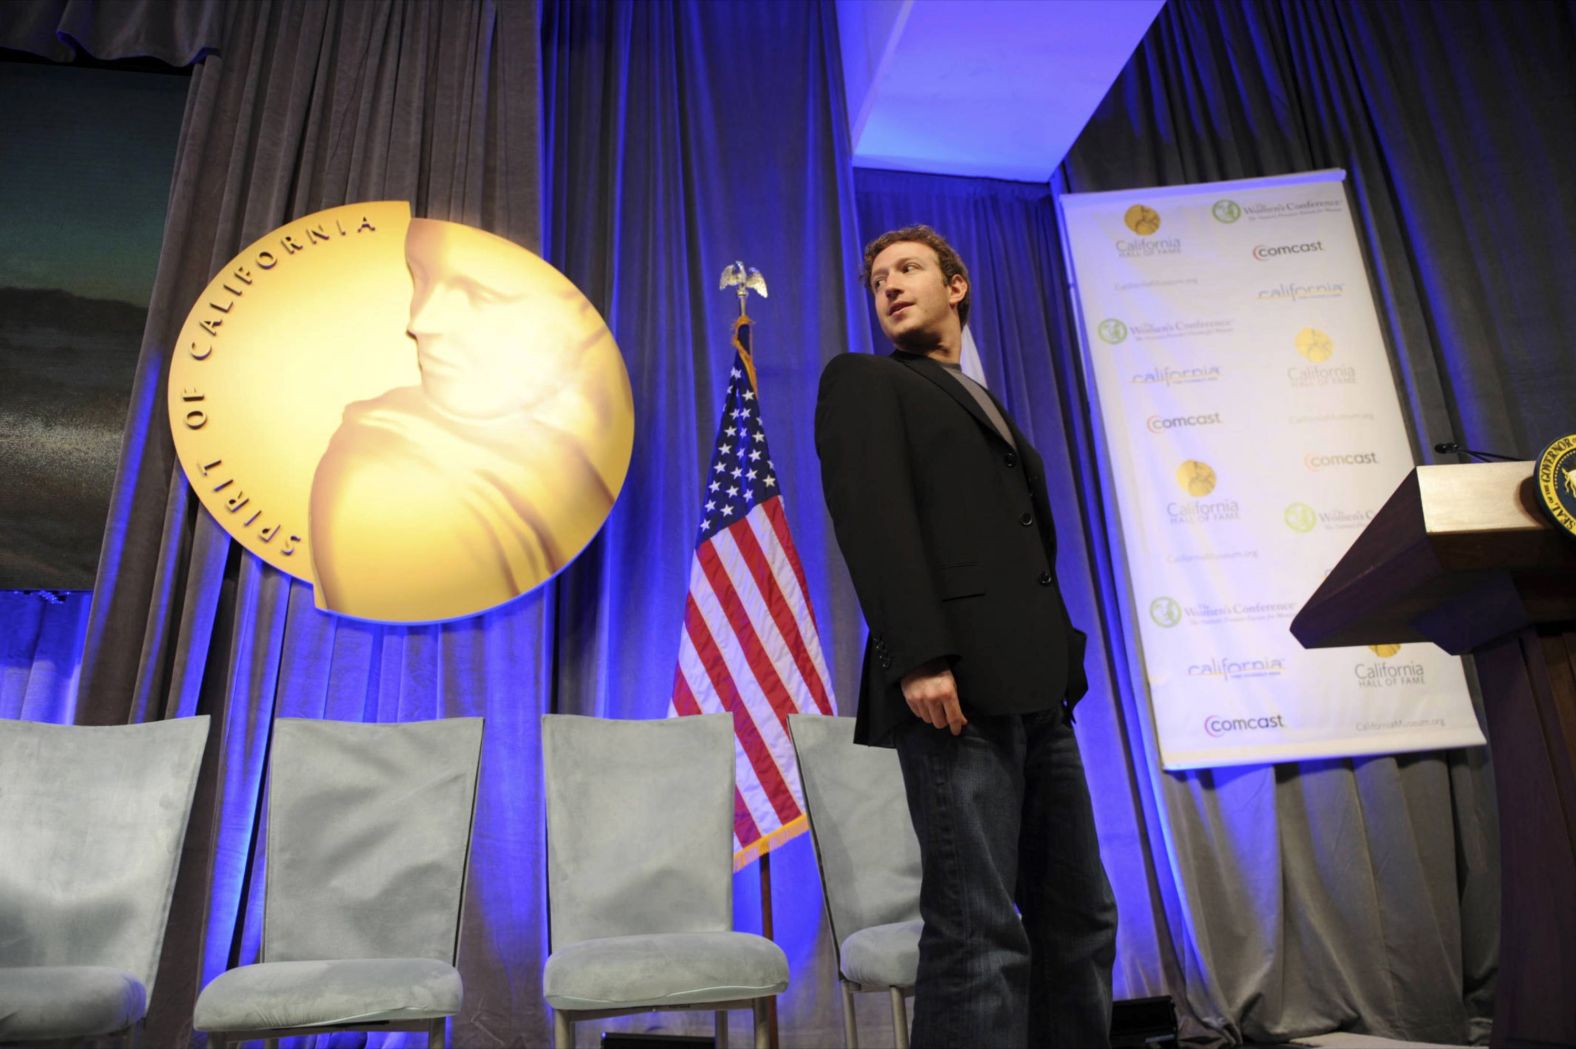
point(1254, 429)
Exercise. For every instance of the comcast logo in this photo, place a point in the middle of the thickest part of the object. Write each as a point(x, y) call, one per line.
point(1227, 211)
point(1165, 612)
point(1299, 517)
point(1112, 330)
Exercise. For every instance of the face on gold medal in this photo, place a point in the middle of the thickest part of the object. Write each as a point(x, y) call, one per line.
point(421, 419)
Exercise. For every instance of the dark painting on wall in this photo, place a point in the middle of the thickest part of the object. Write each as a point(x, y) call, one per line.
point(85, 161)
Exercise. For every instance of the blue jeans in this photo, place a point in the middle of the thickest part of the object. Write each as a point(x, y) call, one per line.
point(1002, 813)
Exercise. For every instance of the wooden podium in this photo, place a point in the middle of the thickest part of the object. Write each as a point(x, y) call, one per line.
point(1464, 557)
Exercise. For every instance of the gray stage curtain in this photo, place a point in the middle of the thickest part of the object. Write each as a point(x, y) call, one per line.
point(301, 106)
point(176, 32)
point(1363, 895)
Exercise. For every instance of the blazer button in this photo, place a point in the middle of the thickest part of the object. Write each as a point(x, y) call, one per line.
point(1027, 519)
point(1046, 579)
point(1011, 459)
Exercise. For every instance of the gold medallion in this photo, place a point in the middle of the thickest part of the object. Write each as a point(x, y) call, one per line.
point(421, 419)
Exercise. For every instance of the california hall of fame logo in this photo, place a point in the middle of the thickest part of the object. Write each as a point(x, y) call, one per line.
point(420, 419)
point(1196, 478)
point(1142, 220)
point(1314, 345)
point(1555, 480)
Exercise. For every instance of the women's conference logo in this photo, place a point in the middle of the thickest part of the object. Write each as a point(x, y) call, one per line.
point(421, 419)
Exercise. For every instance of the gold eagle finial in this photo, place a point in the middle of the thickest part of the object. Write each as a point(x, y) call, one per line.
point(746, 280)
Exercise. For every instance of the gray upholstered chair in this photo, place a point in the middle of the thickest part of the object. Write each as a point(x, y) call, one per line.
point(869, 859)
point(91, 825)
point(640, 875)
point(369, 830)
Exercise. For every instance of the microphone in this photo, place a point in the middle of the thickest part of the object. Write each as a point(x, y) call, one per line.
point(1447, 447)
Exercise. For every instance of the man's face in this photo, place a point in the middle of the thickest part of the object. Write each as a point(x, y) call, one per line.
point(914, 304)
point(488, 344)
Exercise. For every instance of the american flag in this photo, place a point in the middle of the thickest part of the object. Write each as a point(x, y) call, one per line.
point(749, 646)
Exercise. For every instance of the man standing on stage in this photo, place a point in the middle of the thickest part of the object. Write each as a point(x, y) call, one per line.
point(972, 668)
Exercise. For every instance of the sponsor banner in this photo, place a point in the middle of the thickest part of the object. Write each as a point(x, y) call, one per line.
point(1255, 431)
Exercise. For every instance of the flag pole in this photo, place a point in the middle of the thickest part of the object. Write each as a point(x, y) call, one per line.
point(765, 867)
point(744, 281)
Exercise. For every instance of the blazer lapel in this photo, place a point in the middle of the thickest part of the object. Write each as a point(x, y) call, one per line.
point(950, 386)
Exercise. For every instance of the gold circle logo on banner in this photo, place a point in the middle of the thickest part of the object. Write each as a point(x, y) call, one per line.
point(1142, 220)
point(1197, 478)
point(1384, 651)
point(1556, 483)
point(1315, 345)
point(421, 419)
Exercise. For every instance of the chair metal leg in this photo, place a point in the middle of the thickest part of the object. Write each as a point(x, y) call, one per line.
point(899, 1016)
point(436, 1032)
point(721, 1027)
point(850, 1027)
point(763, 1038)
point(563, 1031)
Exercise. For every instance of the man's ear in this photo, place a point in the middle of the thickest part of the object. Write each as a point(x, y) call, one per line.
point(957, 288)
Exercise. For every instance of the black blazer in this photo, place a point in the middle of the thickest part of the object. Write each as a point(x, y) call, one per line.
point(948, 537)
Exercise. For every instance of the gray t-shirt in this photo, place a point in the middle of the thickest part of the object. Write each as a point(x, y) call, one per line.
point(983, 399)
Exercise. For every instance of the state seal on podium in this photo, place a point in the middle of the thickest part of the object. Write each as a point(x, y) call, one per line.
point(1555, 480)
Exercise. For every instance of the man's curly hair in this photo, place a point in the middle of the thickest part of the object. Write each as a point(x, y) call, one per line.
point(951, 261)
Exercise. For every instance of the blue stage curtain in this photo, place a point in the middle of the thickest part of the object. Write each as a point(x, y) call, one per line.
point(681, 137)
point(41, 636)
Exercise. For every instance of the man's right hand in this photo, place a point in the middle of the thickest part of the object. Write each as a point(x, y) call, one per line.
point(932, 694)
